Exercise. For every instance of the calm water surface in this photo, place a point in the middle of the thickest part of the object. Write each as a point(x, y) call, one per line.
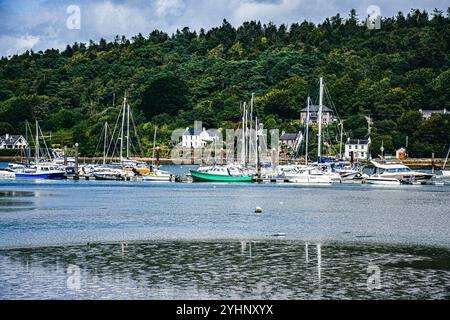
point(164, 241)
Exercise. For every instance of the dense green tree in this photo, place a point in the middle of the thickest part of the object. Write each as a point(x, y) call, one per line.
point(167, 93)
point(388, 74)
point(357, 127)
point(5, 128)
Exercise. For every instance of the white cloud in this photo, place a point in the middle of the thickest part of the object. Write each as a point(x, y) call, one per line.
point(27, 42)
point(108, 19)
point(14, 45)
point(43, 25)
point(169, 7)
point(252, 10)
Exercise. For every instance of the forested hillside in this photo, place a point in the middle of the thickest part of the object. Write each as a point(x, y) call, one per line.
point(172, 80)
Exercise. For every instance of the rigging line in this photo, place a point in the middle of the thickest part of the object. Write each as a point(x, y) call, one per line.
point(136, 132)
point(45, 143)
point(99, 141)
point(113, 136)
point(327, 93)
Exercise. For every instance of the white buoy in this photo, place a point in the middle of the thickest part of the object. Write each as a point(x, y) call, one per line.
point(279, 235)
point(258, 210)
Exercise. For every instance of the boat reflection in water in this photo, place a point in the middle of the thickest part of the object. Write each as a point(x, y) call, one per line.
point(223, 270)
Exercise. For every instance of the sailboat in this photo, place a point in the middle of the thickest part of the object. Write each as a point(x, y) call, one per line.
point(232, 172)
point(156, 174)
point(313, 173)
point(40, 170)
point(126, 168)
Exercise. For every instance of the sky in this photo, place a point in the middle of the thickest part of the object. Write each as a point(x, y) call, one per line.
point(44, 24)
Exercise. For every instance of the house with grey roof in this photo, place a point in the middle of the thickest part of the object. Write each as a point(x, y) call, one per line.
point(196, 137)
point(357, 149)
point(327, 115)
point(8, 141)
point(290, 139)
point(426, 114)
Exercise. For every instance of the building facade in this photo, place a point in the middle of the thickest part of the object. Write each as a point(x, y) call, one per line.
point(426, 114)
point(357, 149)
point(193, 138)
point(290, 139)
point(8, 141)
point(327, 115)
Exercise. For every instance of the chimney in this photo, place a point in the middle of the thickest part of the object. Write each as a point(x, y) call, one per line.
point(197, 127)
point(7, 136)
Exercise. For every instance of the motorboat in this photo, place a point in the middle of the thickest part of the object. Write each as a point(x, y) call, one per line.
point(389, 171)
point(111, 174)
point(309, 175)
point(41, 171)
point(379, 180)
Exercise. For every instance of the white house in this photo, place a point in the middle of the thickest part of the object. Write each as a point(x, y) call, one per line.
point(8, 141)
point(426, 114)
point(196, 138)
point(358, 148)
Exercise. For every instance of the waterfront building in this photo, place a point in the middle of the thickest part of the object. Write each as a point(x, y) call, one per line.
point(426, 114)
point(358, 148)
point(289, 140)
point(196, 137)
point(8, 141)
point(327, 115)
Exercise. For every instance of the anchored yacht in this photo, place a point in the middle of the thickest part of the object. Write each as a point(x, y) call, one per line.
point(393, 171)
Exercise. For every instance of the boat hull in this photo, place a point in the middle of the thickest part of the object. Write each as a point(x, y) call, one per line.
point(108, 177)
point(157, 178)
point(207, 177)
point(383, 181)
point(51, 176)
point(311, 179)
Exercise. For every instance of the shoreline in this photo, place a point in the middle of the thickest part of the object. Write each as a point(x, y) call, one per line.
point(413, 162)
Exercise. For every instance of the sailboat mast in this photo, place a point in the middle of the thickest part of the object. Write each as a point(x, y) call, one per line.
point(37, 144)
point(307, 129)
point(256, 143)
point(28, 143)
point(154, 147)
point(128, 130)
point(122, 129)
point(251, 143)
point(342, 139)
point(446, 159)
point(319, 120)
point(243, 133)
point(246, 135)
point(105, 142)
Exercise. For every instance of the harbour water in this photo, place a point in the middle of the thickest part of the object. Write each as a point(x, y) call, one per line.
point(112, 240)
